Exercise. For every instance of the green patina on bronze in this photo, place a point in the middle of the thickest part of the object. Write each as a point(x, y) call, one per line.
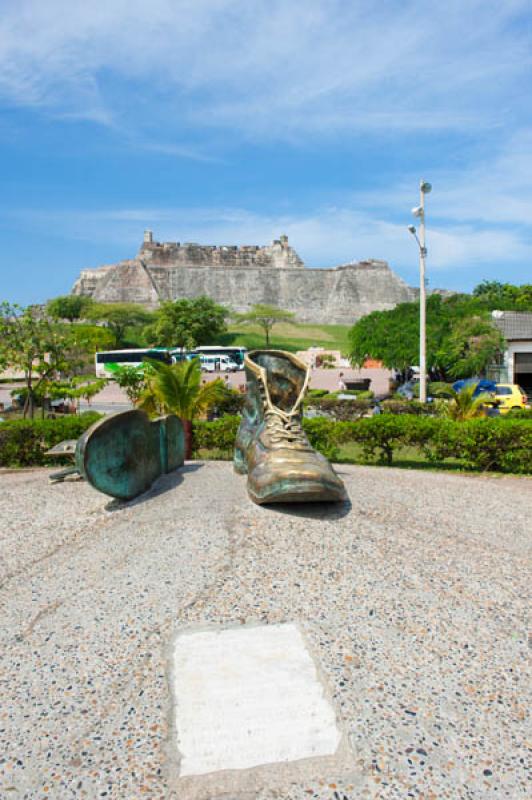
point(271, 445)
point(123, 454)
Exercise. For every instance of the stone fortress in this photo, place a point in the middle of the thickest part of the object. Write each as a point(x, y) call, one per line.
point(240, 277)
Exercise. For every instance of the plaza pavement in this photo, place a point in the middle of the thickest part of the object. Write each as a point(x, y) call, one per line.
point(412, 599)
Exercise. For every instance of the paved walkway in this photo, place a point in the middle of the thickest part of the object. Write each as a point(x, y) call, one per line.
point(412, 600)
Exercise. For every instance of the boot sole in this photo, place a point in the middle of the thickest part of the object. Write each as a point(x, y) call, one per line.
point(300, 492)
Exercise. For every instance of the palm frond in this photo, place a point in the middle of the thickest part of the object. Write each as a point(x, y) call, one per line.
point(177, 389)
point(463, 405)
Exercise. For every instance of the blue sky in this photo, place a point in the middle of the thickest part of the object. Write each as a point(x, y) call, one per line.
point(233, 121)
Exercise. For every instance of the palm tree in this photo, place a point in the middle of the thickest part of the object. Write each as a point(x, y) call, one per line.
point(463, 406)
point(177, 389)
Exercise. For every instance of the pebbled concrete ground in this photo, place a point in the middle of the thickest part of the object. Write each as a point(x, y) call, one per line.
point(413, 598)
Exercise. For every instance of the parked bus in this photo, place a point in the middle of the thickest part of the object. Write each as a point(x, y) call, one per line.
point(235, 354)
point(107, 362)
point(217, 363)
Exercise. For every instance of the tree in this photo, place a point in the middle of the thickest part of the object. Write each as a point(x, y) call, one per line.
point(74, 388)
point(85, 341)
point(504, 296)
point(118, 317)
point(470, 347)
point(265, 317)
point(133, 379)
point(393, 336)
point(177, 389)
point(33, 343)
point(69, 306)
point(187, 323)
point(461, 338)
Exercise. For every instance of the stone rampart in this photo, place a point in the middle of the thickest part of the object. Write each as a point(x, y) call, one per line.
point(238, 279)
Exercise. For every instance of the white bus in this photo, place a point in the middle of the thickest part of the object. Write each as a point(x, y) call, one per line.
point(217, 363)
point(235, 354)
point(106, 362)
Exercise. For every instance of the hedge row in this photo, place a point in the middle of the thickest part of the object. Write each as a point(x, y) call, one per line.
point(343, 409)
point(501, 444)
point(24, 442)
point(497, 444)
point(219, 434)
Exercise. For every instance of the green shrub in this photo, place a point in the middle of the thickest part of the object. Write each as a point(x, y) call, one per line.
point(439, 389)
point(323, 436)
point(218, 434)
point(339, 410)
point(434, 389)
point(230, 403)
point(378, 436)
point(359, 394)
point(518, 413)
point(483, 444)
point(23, 442)
point(326, 360)
point(498, 443)
point(399, 405)
point(495, 444)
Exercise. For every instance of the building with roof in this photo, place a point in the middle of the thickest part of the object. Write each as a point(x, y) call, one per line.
point(516, 362)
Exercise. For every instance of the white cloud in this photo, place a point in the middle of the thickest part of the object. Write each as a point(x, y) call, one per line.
point(328, 237)
point(489, 200)
point(268, 68)
point(168, 75)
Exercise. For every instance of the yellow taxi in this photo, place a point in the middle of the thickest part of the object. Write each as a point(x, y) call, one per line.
point(508, 396)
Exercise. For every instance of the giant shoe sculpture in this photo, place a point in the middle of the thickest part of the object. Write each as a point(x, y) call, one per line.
point(123, 454)
point(271, 446)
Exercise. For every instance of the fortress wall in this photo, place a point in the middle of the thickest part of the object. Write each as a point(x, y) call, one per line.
point(358, 290)
point(278, 255)
point(90, 279)
point(337, 296)
point(239, 278)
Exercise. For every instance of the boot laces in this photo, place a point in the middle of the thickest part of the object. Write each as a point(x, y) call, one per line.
point(285, 426)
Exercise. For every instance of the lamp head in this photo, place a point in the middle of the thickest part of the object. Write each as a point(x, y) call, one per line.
point(412, 229)
point(417, 211)
point(425, 187)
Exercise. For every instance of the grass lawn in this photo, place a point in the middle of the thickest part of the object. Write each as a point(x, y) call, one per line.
point(287, 336)
point(284, 336)
point(404, 458)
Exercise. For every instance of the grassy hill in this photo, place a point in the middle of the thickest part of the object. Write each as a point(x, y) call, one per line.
point(286, 336)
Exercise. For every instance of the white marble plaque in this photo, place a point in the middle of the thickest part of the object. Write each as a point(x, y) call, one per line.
point(248, 696)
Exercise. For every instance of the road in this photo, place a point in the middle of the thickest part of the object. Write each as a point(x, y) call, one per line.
point(112, 399)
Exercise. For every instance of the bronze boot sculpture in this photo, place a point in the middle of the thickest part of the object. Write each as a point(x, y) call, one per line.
point(271, 446)
point(123, 454)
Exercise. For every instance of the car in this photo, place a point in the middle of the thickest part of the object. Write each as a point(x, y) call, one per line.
point(510, 396)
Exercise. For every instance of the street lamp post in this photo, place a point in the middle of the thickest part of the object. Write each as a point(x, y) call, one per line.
point(419, 211)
